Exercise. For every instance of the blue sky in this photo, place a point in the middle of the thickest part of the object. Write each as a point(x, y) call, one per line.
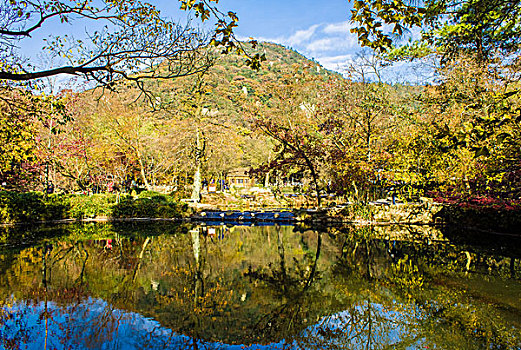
point(317, 29)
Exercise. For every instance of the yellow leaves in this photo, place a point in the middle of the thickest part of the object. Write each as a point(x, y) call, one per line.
point(407, 276)
point(16, 137)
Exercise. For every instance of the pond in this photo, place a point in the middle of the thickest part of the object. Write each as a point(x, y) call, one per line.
point(158, 285)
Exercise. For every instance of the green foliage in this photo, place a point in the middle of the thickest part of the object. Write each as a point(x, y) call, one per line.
point(157, 206)
point(372, 15)
point(410, 51)
point(91, 206)
point(30, 207)
point(151, 194)
point(484, 28)
point(36, 206)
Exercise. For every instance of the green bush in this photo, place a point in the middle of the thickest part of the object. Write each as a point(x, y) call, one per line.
point(151, 194)
point(55, 207)
point(36, 206)
point(16, 207)
point(157, 206)
point(91, 206)
point(31, 206)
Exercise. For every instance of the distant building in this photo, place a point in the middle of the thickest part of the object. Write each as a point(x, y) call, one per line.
point(240, 177)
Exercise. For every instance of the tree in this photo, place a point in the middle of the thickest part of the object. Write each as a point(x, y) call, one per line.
point(124, 130)
point(359, 117)
point(477, 112)
point(60, 145)
point(17, 148)
point(134, 38)
point(471, 117)
point(21, 114)
point(195, 111)
point(485, 28)
point(287, 111)
point(361, 123)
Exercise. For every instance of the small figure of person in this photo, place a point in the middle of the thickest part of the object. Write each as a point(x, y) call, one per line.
point(50, 188)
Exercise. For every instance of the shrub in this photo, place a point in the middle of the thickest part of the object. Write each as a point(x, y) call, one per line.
point(151, 194)
point(157, 206)
point(15, 207)
point(31, 206)
point(36, 206)
point(91, 206)
point(54, 207)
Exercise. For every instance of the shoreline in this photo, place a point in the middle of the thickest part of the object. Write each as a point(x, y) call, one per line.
point(413, 214)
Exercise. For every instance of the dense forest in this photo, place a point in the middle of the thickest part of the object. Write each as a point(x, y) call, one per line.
point(349, 134)
point(456, 136)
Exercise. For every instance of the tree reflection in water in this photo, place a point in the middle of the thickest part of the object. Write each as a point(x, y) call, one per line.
point(163, 286)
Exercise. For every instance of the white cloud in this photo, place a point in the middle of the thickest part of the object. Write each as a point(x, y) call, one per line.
point(335, 47)
point(336, 44)
point(302, 35)
point(338, 28)
point(277, 40)
point(335, 62)
point(329, 43)
point(326, 44)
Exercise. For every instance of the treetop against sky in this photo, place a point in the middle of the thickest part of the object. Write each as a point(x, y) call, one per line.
point(319, 30)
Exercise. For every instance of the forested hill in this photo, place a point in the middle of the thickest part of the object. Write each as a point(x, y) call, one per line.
point(279, 60)
point(292, 118)
point(230, 79)
point(156, 133)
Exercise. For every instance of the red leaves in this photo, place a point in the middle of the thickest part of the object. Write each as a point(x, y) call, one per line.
point(482, 202)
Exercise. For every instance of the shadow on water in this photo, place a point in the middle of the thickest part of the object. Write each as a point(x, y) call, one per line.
point(161, 285)
point(502, 243)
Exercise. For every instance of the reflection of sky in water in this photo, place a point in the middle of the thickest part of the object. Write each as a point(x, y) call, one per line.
point(93, 324)
point(371, 326)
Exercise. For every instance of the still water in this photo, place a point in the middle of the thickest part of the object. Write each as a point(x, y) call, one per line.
point(166, 286)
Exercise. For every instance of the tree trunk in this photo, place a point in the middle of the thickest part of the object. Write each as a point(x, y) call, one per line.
point(314, 266)
point(199, 153)
point(315, 181)
point(196, 189)
point(142, 171)
point(198, 286)
point(144, 177)
point(140, 258)
point(368, 137)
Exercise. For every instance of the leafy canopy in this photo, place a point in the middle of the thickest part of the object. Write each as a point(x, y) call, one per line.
point(129, 40)
point(486, 28)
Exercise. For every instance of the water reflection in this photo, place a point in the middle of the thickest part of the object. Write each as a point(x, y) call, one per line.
point(165, 286)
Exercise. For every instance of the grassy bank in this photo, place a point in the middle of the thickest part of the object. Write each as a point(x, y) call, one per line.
point(36, 206)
